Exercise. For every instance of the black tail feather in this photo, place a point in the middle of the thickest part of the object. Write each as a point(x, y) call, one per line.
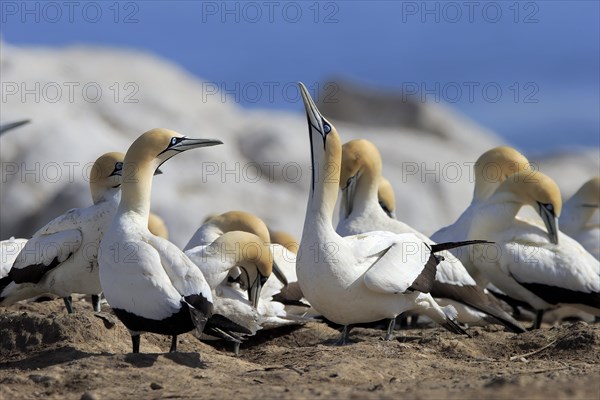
point(224, 328)
point(4, 282)
point(453, 327)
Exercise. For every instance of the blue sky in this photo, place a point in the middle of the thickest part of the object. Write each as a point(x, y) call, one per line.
point(527, 70)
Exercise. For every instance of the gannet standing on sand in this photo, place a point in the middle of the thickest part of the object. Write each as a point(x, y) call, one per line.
point(542, 268)
point(61, 257)
point(230, 300)
point(359, 181)
point(576, 217)
point(151, 285)
point(490, 170)
point(361, 278)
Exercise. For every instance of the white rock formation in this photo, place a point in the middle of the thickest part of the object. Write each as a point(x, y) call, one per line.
point(261, 168)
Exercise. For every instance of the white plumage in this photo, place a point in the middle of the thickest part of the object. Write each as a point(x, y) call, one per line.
point(542, 267)
point(580, 218)
point(151, 285)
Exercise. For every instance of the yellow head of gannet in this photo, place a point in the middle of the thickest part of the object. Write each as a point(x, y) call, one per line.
point(386, 197)
point(145, 155)
point(537, 190)
point(252, 255)
point(360, 158)
point(157, 226)
point(246, 222)
point(241, 221)
point(106, 173)
point(285, 239)
point(492, 168)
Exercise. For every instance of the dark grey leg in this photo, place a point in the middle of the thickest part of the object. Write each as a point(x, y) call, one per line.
point(414, 321)
point(344, 337)
point(173, 348)
point(390, 329)
point(537, 322)
point(96, 302)
point(69, 304)
point(236, 348)
point(135, 341)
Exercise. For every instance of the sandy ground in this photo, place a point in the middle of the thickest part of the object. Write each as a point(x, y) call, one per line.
point(46, 353)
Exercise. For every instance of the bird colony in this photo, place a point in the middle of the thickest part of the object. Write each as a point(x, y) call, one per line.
point(236, 277)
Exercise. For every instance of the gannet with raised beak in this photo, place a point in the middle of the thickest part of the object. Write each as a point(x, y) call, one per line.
point(361, 278)
point(490, 170)
point(61, 257)
point(544, 268)
point(576, 219)
point(150, 284)
point(359, 181)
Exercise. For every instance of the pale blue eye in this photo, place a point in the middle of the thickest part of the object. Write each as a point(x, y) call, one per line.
point(173, 140)
point(326, 128)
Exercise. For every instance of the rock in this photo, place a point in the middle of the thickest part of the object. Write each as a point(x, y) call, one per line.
point(262, 168)
point(155, 386)
point(89, 396)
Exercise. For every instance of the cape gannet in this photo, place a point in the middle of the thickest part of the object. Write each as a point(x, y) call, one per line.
point(544, 268)
point(490, 170)
point(273, 310)
point(361, 278)
point(576, 219)
point(236, 260)
point(359, 181)
point(150, 284)
point(61, 257)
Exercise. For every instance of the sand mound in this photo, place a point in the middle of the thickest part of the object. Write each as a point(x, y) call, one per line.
point(45, 352)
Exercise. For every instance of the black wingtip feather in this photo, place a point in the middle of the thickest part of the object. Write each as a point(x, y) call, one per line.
point(4, 282)
point(453, 327)
point(435, 248)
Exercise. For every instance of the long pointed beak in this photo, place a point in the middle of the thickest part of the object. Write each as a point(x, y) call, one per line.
point(12, 125)
point(279, 274)
point(255, 289)
point(348, 195)
point(188, 144)
point(551, 222)
point(315, 119)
